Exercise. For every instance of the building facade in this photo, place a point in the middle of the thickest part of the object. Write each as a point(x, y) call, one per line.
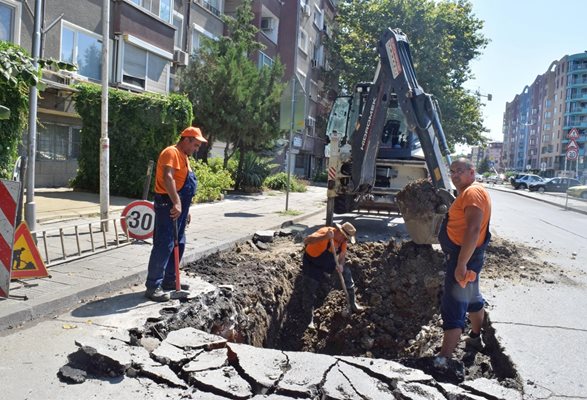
point(538, 121)
point(150, 42)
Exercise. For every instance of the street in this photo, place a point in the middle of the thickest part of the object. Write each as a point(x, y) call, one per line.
point(533, 321)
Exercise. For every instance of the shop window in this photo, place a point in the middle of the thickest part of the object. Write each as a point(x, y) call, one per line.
point(58, 142)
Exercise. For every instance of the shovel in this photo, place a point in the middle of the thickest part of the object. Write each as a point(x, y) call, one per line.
point(346, 293)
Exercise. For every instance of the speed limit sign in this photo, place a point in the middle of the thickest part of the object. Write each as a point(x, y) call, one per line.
point(138, 219)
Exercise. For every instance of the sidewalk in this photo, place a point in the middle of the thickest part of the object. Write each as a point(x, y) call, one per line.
point(214, 227)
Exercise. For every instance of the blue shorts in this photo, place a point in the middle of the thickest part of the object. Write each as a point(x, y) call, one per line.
point(458, 301)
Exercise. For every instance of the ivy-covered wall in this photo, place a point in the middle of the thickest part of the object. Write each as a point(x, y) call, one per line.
point(140, 126)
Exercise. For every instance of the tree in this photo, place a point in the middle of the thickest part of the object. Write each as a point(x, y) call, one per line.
point(484, 166)
point(444, 37)
point(234, 100)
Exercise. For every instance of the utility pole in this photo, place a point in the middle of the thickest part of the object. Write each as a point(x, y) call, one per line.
point(30, 210)
point(104, 140)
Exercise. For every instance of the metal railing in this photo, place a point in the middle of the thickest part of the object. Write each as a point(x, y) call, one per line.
point(67, 243)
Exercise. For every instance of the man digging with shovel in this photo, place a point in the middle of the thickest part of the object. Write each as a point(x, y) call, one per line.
point(325, 252)
point(175, 186)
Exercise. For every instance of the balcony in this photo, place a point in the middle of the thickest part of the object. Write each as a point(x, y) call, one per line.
point(131, 20)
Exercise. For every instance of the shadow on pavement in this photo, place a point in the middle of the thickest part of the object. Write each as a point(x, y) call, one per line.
point(113, 305)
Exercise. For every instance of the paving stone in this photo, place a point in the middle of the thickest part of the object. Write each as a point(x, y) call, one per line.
point(150, 343)
point(367, 386)
point(270, 397)
point(225, 380)
point(191, 338)
point(387, 369)
point(200, 395)
point(207, 360)
point(491, 389)
point(264, 366)
point(418, 391)
point(453, 392)
point(167, 353)
point(263, 236)
point(307, 370)
point(163, 374)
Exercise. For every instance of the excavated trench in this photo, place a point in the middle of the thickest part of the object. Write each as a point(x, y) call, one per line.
point(258, 302)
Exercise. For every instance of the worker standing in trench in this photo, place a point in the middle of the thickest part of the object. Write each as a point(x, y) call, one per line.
point(319, 262)
point(463, 236)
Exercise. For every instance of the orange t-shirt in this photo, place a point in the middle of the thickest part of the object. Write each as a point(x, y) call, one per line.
point(473, 196)
point(175, 158)
point(317, 248)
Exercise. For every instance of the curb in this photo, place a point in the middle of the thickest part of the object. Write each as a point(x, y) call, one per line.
point(522, 194)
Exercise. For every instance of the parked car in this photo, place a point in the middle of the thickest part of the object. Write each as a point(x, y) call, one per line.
point(479, 177)
point(578, 191)
point(495, 178)
point(514, 177)
point(557, 184)
point(525, 181)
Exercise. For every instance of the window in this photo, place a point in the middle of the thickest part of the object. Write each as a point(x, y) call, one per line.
point(82, 48)
point(165, 10)
point(196, 41)
point(214, 6)
point(303, 41)
point(9, 21)
point(318, 17)
point(144, 69)
point(178, 23)
point(58, 142)
point(264, 60)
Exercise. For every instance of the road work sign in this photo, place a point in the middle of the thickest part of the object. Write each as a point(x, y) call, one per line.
point(9, 191)
point(26, 259)
point(138, 219)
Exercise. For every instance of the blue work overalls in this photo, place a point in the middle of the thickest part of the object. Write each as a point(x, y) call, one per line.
point(162, 263)
point(456, 300)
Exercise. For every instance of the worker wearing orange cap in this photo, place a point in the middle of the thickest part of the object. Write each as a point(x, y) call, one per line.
point(175, 186)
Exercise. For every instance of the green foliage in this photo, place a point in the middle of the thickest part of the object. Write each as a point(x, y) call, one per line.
point(234, 100)
point(140, 126)
point(254, 171)
point(17, 73)
point(279, 182)
point(212, 181)
point(320, 176)
point(444, 36)
point(483, 166)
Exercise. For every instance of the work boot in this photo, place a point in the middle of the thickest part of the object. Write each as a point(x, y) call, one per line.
point(157, 294)
point(474, 341)
point(447, 369)
point(171, 286)
point(355, 307)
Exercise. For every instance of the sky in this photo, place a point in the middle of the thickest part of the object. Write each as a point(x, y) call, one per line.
point(525, 37)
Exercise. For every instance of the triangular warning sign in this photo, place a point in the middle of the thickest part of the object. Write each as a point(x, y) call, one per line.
point(26, 260)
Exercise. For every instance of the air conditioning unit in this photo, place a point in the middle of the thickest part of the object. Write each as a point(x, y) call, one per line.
point(180, 57)
point(306, 10)
point(267, 24)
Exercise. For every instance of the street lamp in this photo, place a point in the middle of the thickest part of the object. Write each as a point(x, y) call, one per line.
point(526, 166)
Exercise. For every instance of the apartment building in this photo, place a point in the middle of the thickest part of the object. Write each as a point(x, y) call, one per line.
point(537, 121)
point(150, 41)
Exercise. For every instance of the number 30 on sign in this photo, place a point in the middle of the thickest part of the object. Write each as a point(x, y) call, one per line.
point(138, 218)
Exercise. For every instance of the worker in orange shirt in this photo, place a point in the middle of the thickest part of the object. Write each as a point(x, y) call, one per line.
point(319, 262)
point(175, 186)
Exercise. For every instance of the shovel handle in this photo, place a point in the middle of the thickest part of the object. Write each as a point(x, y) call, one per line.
point(176, 255)
point(346, 293)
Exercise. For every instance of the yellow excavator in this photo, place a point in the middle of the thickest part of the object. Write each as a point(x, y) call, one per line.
point(383, 138)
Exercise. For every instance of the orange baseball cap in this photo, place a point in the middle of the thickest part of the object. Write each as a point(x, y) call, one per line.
point(192, 131)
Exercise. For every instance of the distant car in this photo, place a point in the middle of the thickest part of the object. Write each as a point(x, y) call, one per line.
point(525, 181)
point(578, 191)
point(557, 184)
point(479, 177)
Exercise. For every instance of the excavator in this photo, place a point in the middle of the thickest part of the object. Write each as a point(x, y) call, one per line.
point(383, 136)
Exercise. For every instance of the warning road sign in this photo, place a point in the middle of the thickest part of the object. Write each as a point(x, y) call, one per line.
point(26, 259)
point(9, 191)
point(573, 134)
point(572, 145)
point(139, 219)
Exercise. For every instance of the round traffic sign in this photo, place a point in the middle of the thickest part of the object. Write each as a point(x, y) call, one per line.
point(138, 218)
point(572, 154)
